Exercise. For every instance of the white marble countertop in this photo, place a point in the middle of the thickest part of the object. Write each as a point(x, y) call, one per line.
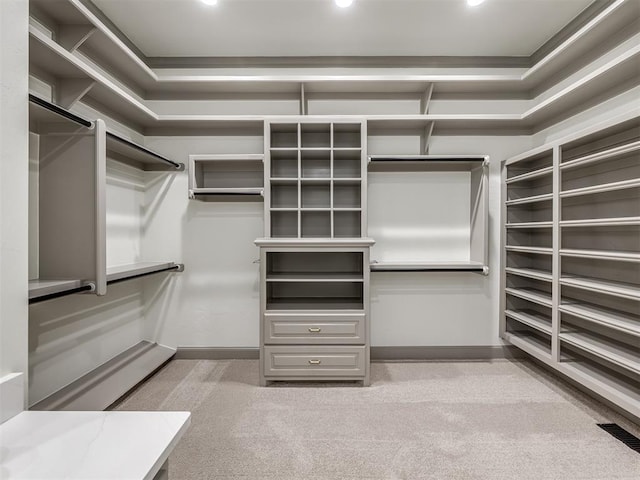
point(88, 445)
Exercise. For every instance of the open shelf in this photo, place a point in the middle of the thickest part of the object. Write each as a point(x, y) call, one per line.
point(608, 350)
point(618, 289)
point(537, 250)
point(601, 156)
point(545, 197)
point(601, 254)
point(613, 319)
point(601, 188)
point(129, 152)
point(601, 222)
point(226, 174)
point(530, 344)
point(530, 273)
point(531, 294)
point(428, 267)
point(528, 225)
point(101, 387)
point(532, 319)
point(542, 172)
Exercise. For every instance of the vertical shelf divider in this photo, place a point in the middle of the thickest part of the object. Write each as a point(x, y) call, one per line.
point(555, 261)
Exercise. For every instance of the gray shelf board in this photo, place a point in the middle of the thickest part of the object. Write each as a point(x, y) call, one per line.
point(547, 197)
point(461, 161)
point(314, 277)
point(63, 12)
point(610, 387)
point(532, 319)
point(601, 156)
point(537, 250)
point(316, 209)
point(44, 112)
point(284, 209)
point(617, 289)
point(347, 180)
point(107, 383)
point(605, 187)
point(320, 180)
point(315, 303)
point(126, 149)
point(231, 157)
point(530, 345)
point(426, 266)
point(530, 273)
point(612, 319)
point(452, 121)
point(601, 254)
point(531, 294)
point(601, 222)
point(284, 180)
point(43, 287)
point(541, 172)
point(315, 242)
point(528, 225)
point(123, 272)
point(229, 191)
point(347, 209)
point(611, 351)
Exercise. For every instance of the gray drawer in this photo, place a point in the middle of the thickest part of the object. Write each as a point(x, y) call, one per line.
point(314, 329)
point(314, 361)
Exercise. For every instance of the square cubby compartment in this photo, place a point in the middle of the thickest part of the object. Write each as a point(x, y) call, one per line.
point(347, 224)
point(316, 164)
point(284, 164)
point(316, 224)
point(315, 135)
point(347, 135)
point(346, 195)
point(284, 195)
point(533, 237)
point(284, 224)
point(316, 195)
point(347, 164)
point(284, 135)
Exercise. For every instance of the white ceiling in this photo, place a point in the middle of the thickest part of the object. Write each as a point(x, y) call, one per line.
point(183, 28)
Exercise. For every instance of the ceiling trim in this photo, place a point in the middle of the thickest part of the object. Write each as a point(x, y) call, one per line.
point(588, 14)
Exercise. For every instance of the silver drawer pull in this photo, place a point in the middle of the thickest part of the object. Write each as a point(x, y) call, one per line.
point(315, 329)
point(314, 362)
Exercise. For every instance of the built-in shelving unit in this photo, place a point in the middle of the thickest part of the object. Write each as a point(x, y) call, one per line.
point(398, 183)
point(580, 273)
point(221, 175)
point(315, 179)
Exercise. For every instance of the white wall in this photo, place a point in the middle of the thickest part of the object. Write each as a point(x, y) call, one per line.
point(14, 168)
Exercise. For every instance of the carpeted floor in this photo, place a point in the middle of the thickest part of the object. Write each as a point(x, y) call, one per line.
point(447, 421)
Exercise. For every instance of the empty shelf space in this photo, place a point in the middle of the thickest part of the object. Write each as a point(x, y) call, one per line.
point(531, 294)
point(44, 112)
point(601, 156)
point(530, 175)
point(531, 319)
point(315, 303)
point(530, 273)
point(601, 254)
point(530, 344)
point(611, 351)
point(101, 387)
point(40, 289)
point(131, 153)
point(539, 250)
point(601, 222)
point(546, 197)
point(427, 267)
point(602, 188)
point(448, 162)
point(527, 225)
point(609, 318)
point(134, 270)
point(226, 174)
point(618, 289)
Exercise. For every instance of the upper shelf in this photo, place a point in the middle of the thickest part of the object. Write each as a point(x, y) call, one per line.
point(427, 162)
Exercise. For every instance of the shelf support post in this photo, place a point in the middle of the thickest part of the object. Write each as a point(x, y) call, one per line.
point(72, 36)
point(303, 100)
point(426, 99)
point(426, 138)
point(70, 91)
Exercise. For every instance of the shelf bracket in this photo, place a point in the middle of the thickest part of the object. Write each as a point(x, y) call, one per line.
point(72, 36)
point(71, 90)
point(303, 100)
point(426, 99)
point(425, 139)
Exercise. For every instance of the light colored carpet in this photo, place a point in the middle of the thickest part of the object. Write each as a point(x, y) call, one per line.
point(476, 420)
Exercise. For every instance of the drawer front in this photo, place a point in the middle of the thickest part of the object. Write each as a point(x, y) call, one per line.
point(314, 361)
point(314, 329)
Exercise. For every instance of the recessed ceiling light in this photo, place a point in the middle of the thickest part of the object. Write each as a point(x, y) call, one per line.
point(209, 2)
point(344, 3)
point(473, 3)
